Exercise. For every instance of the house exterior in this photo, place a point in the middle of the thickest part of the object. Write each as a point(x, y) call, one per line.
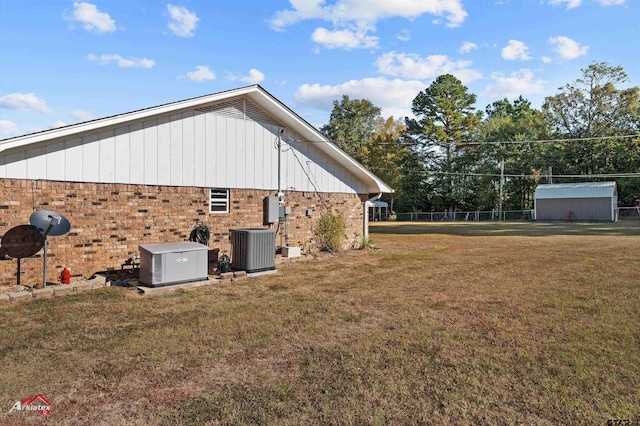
point(150, 176)
point(583, 202)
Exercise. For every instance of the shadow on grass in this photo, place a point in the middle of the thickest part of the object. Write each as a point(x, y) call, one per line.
point(519, 229)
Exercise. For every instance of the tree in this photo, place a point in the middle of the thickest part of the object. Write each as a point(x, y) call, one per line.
point(594, 106)
point(352, 124)
point(382, 153)
point(390, 158)
point(445, 119)
point(358, 128)
point(511, 122)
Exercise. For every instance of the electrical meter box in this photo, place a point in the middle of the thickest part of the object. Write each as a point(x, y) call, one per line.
point(270, 210)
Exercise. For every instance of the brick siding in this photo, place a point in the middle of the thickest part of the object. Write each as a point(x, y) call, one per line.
point(110, 221)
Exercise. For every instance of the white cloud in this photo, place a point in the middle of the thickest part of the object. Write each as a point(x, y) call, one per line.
point(547, 59)
point(24, 102)
point(57, 123)
point(254, 77)
point(201, 73)
point(123, 62)
point(393, 96)
point(568, 48)
point(81, 115)
point(8, 129)
point(516, 50)
point(345, 39)
point(407, 65)
point(368, 11)
point(570, 3)
point(467, 47)
point(92, 19)
point(182, 22)
point(353, 20)
point(522, 82)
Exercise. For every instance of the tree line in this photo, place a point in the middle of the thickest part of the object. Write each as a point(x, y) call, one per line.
point(452, 157)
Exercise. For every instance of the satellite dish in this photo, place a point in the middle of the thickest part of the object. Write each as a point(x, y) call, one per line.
point(47, 222)
point(21, 241)
point(51, 223)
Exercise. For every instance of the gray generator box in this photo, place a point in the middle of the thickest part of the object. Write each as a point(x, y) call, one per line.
point(173, 263)
point(253, 249)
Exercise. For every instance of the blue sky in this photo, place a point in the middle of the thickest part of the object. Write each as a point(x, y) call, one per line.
point(63, 62)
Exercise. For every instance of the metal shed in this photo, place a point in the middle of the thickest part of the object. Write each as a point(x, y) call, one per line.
point(582, 202)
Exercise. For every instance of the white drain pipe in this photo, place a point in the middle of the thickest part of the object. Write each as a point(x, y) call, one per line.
point(367, 204)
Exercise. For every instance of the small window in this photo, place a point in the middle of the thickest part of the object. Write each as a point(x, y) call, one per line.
point(219, 201)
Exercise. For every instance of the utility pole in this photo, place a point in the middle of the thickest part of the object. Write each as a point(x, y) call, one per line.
point(501, 184)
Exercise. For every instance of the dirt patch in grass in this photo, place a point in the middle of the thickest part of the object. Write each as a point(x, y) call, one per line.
point(501, 324)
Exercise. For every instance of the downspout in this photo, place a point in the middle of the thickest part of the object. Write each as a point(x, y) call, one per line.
point(367, 204)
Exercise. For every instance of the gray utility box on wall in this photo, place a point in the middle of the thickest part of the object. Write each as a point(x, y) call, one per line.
point(269, 210)
point(253, 249)
point(173, 263)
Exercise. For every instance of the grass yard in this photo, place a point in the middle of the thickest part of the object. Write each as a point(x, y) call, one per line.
point(470, 323)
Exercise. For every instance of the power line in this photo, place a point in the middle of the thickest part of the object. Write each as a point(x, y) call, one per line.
point(362, 144)
point(497, 175)
point(528, 176)
point(596, 138)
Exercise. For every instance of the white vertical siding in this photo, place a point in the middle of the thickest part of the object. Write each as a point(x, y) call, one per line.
point(36, 162)
point(16, 164)
point(122, 154)
point(192, 148)
point(73, 160)
point(188, 150)
point(90, 158)
point(241, 154)
point(150, 159)
point(107, 156)
point(200, 150)
point(176, 149)
point(210, 148)
point(55, 161)
point(252, 152)
point(220, 144)
point(163, 148)
point(136, 155)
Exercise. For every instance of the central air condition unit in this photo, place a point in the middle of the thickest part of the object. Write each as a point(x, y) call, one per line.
point(173, 263)
point(253, 249)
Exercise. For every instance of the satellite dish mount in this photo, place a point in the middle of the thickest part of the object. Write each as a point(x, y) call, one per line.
point(48, 223)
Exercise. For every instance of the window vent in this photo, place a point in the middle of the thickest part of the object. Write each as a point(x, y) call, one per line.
point(242, 109)
point(219, 200)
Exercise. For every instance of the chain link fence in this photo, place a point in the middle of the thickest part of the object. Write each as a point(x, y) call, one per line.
point(473, 216)
point(628, 213)
point(624, 213)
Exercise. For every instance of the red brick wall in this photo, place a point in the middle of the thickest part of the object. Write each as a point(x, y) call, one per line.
point(109, 221)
